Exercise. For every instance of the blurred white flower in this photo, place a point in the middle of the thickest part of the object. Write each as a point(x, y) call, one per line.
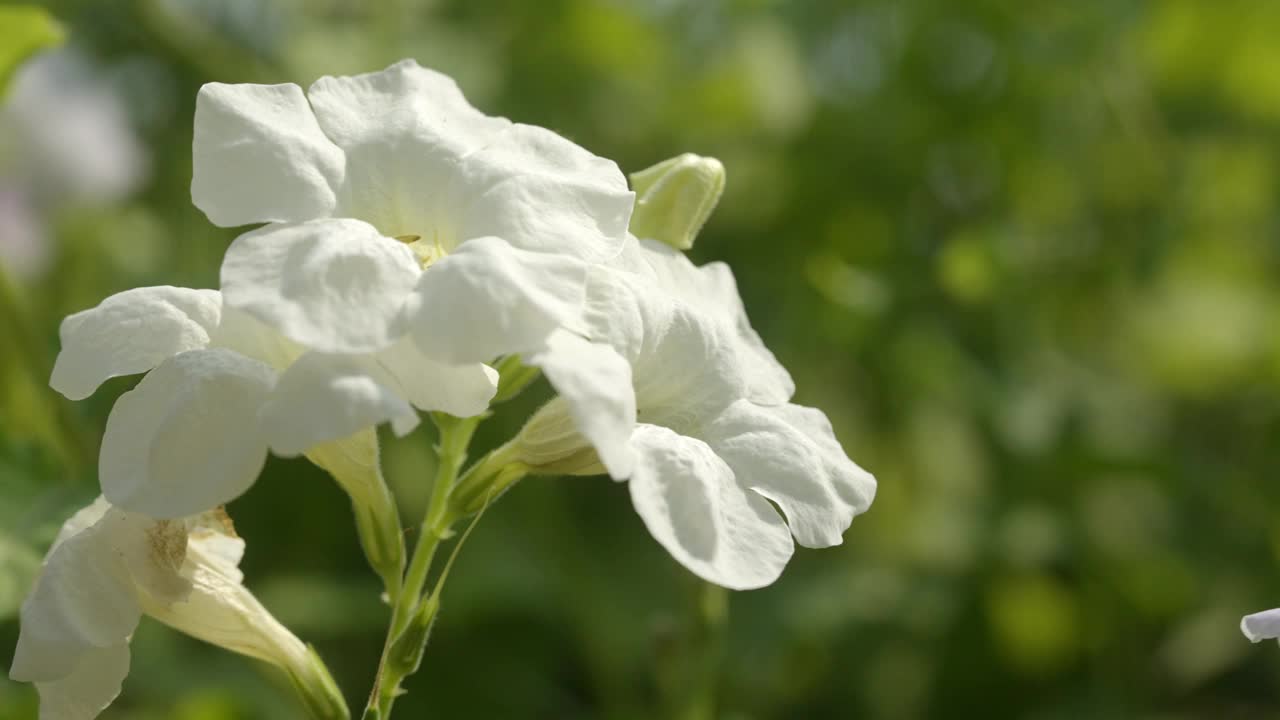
point(223, 388)
point(716, 440)
point(1261, 626)
point(109, 567)
point(65, 140)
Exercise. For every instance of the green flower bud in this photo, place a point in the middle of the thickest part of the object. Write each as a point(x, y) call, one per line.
point(675, 197)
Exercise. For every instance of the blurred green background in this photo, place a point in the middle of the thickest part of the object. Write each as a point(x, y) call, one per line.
point(1023, 254)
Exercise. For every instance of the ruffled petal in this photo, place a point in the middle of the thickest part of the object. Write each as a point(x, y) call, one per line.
point(335, 286)
point(327, 397)
point(689, 500)
point(489, 299)
point(83, 599)
point(131, 332)
point(594, 381)
point(541, 192)
point(767, 381)
point(259, 156)
point(428, 384)
point(93, 684)
point(789, 455)
point(87, 594)
point(220, 609)
point(712, 290)
point(404, 130)
point(187, 438)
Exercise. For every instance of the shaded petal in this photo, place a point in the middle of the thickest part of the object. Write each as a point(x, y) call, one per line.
point(327, 397)
point(595, 383)
point(220, 609)
point(187, 438)
point(92, 685)
point(684, 363)
point(712, 290)
point(689, 500)
point(404, 130)
point(131, 332)
point(539, 191)
point(767, 381)
point(428, 384)
point(1261, 626)
point(789, 455)
point(249, 336)
point(259, 156)
point(83, 599)
point(332, 285)
point(489, 299)
point(87, 593)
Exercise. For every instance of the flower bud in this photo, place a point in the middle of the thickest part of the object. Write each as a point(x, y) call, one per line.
point(675, 197)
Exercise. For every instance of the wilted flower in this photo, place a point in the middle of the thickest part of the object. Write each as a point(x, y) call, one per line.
point(109, 567)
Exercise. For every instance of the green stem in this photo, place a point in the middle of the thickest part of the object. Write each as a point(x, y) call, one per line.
point(689, 670)
point(411, 613)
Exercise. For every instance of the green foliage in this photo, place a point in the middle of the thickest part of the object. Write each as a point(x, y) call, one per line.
point(25, 30)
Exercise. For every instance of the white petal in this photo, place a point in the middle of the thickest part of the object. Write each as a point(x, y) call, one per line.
point(187, 438)
point(460, 390)
point(685, 364)
point(220, 610)
point(1261, 626)
point(92, 685)
point(259, 156)
point(87, 593)
point(789, 455)
point(403, 100)
point(489, 299)
point(212, 540)
point(539, 191)
point(404, 130)
point(332, 285)
point(712, 290)
point(131, 332)
point(691, 504)
point(328, 397)
point(768, 382)
point(595, 383)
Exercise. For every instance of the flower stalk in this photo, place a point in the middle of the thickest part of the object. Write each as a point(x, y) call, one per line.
point(412, 614)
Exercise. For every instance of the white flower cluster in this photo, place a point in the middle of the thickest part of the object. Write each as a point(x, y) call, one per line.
point(405, 242)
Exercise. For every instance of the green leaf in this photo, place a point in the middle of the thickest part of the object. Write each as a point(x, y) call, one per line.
point(25, 30)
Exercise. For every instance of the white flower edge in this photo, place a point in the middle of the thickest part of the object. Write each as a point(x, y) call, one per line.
point(709, 463)
point(401, 148)
point(224, 388)
point(109, 567)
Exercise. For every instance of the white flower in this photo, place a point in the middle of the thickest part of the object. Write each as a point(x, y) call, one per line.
point(716, 440)
point(65, 141)
point(395, 208)
point(109, 567)
point(1261, 626)
point(195, 432)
